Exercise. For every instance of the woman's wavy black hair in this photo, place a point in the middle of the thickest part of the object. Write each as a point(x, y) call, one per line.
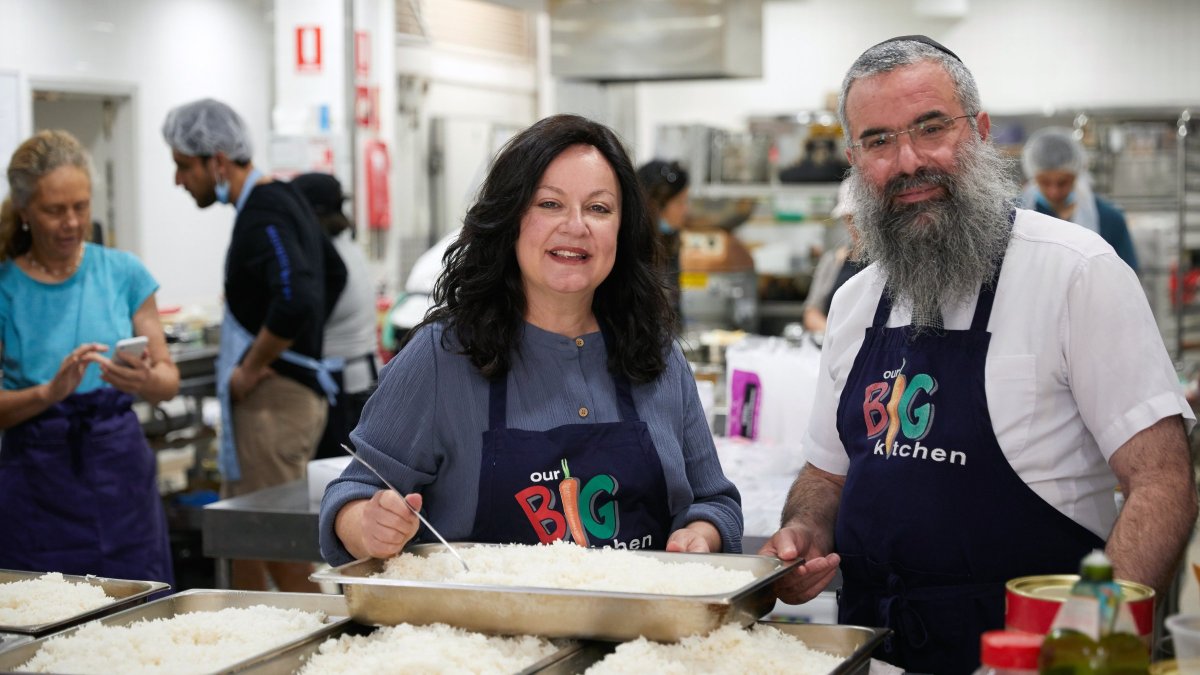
point(479, 295)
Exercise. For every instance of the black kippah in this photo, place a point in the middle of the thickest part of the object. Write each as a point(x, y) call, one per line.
point(923, 39)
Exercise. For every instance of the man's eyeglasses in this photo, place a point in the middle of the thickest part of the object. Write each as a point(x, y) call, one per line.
point(928, 135)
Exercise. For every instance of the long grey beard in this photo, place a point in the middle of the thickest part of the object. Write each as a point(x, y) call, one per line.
point(938, 253)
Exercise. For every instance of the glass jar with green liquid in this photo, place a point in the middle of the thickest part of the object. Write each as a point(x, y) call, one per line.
point(1090, 634)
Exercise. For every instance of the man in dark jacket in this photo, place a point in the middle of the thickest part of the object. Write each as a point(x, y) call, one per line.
point(281, 275)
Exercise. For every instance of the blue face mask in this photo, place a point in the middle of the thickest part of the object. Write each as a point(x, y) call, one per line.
point(222, 190)
point(1041, 199)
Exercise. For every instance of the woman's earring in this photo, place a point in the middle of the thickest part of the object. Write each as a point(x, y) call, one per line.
point(24, 227)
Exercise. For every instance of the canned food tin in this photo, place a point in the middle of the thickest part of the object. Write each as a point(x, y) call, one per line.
point(1032, 602)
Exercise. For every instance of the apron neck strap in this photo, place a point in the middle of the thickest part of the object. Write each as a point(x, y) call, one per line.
point(498, 403)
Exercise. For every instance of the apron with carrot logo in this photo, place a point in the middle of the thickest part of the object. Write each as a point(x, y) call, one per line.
point(594, 484)
point(933, 519)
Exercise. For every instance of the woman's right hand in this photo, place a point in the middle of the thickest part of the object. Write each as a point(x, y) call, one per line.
point(383, 523)
point(70, 371)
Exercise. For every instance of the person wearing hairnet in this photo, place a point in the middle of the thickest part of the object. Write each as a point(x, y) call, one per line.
point(835, 267)
point(281, 276)
point(1056, 164)
point(350, 329)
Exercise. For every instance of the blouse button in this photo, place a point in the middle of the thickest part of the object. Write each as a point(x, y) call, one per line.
point(583, 412)
point(578, 342)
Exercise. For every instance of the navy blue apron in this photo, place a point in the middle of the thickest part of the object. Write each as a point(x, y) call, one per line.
point(594, 484)
point(933, 519)
point(79, 493)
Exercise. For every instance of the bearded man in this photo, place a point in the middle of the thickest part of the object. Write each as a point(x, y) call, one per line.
point(986, 383)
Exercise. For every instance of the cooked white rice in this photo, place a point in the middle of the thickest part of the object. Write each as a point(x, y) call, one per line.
point(47, 599)
point(193, 642)
point(566, 565)
point(730, 649)
point(436, 648)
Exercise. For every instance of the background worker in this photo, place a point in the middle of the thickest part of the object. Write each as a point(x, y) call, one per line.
point(1056, 165)
point(78, 482)
point(666, 186)
point(835, 267)
point(350, 330)
point(281, 275)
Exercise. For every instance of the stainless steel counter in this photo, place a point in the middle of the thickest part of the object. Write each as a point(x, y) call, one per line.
point(277, 523)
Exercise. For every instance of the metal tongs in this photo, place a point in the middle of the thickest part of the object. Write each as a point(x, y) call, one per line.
point(416, 513)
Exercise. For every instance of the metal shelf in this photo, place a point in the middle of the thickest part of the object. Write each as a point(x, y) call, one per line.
point(764, 190)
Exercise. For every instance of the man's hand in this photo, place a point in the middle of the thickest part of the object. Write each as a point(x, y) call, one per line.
point(807, 580)
point(807, 532)
point(243, 380)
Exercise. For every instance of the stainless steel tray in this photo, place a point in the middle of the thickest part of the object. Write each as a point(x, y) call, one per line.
point(198, 600)
point(291, 660)
point(853, 643)
point(558, 613)
point(123, 592)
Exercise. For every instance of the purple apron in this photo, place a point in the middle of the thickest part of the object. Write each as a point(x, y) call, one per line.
point(79, 493)
point(594, 484)
point(933, 519)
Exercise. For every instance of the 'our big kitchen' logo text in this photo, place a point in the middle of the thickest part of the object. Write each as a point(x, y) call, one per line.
point(589, 510)
point(903, 410)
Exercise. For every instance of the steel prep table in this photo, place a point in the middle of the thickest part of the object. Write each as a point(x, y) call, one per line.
point(276, 523)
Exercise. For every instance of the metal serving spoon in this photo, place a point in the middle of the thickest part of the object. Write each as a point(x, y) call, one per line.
point(416, 513)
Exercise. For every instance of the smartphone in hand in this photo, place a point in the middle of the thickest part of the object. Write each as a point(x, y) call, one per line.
point(132, 348)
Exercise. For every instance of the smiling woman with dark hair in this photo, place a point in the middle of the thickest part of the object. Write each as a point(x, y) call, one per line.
point(547, 361)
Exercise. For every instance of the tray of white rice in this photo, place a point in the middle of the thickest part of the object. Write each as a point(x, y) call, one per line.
point(196, 631)
point(435, 648)
point(766, 648)
point(561, 590)
point(37, 603)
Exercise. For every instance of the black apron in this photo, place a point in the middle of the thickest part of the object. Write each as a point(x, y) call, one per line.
point(933, 519)
point(79, 492)
point(594, 484)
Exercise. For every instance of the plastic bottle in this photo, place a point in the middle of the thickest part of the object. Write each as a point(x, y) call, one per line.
point(1005, 652)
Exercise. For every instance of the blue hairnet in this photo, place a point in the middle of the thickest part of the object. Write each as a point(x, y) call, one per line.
point(205, 127)
point(1053, 149)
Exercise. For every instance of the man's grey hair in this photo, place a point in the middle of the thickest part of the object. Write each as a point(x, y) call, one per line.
point(888, 56)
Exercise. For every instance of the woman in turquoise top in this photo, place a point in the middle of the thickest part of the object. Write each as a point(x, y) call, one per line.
point(78, 482)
